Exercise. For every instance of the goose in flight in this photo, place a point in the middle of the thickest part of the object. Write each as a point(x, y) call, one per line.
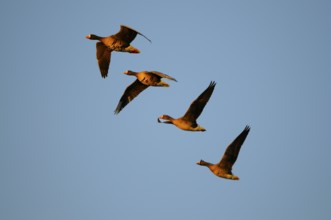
point(188, 121)
point(224, 167)
point(143, 81)
point(118, 42)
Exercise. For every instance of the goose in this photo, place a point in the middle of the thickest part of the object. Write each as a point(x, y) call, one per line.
point(118, 42)
point(188, 121)
point(223, 169)
point(143, 81)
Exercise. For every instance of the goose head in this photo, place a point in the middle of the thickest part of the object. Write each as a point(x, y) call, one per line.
point(167, 119)
point(129, 72)
point(202, 163)
point(93, 37)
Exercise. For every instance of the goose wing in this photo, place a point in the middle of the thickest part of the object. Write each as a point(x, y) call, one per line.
point(129, 94)
point(103, 57)
point(198, 104)
point(162, 75)
point(128, 34)
point(232, 151)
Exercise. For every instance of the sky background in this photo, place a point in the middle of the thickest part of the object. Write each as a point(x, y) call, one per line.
point(65, 155)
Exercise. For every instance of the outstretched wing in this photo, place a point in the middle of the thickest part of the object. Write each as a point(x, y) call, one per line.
point(232, 151)
point(162, 75)
point(128, 34)
point(197, 105)
point(103, 57)
point(130, 93)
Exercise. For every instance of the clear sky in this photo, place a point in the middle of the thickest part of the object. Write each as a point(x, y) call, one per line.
point(65, 155)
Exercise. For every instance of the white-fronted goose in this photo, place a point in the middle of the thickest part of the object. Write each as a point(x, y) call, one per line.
point(143, 81)
point(117, 42)
point(224, 167)
point(188, 121)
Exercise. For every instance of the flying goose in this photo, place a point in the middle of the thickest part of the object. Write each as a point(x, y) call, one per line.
point(188, 121)
point(224, 167)
point(117, 42)
point(143, 81)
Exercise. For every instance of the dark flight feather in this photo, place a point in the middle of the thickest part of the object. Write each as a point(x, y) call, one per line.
point(198, 104)
point(130, 93)
point(232, 151)
point(103, 57)
point(128, 34)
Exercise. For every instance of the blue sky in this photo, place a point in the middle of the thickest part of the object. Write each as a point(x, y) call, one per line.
point(65, 155)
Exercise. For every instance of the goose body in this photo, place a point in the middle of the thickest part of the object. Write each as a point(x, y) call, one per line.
point(143, 81)
point(188, 121)
point(223, 169)
point(118, 42)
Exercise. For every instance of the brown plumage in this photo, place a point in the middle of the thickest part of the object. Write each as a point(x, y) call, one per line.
point(188, 121)
point(143, 81)
point(224, 167)
point(117, 42)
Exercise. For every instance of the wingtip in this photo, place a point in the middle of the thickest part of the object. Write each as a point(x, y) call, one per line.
point(144, 37)
point(212, 83)
point(118, 109)
point(104, 73)
point(247, 128)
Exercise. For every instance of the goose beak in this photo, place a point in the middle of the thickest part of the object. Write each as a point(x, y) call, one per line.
point(88, 36)
point(158, 120)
